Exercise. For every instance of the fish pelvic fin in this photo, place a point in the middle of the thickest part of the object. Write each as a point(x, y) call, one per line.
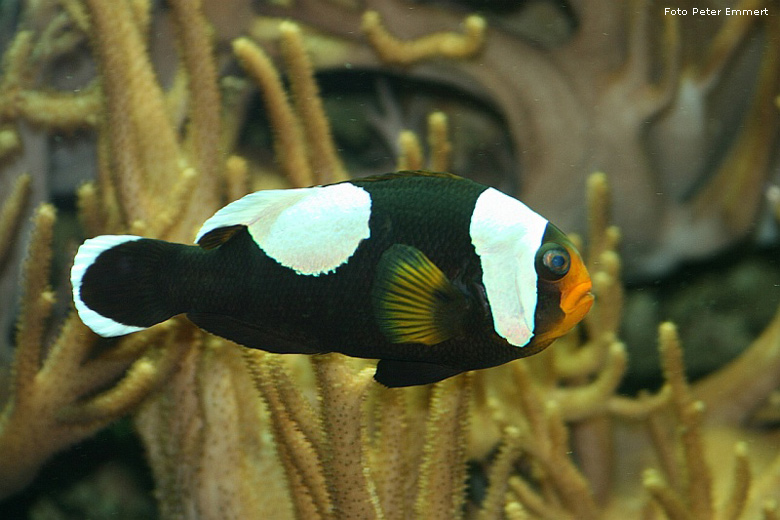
point(118, 283)
point(413, 300)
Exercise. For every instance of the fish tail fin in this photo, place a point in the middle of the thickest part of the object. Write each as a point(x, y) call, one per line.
point(119, 283)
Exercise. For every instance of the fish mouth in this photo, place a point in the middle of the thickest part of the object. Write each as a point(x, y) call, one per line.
point(578, 300)
point(575, 304)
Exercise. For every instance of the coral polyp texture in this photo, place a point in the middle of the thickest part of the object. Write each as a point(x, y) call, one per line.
point(159, 97)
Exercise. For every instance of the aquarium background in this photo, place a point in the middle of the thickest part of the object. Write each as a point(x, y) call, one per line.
point(649, 135)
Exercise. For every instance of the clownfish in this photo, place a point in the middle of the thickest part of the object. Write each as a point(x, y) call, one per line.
point(430, 273)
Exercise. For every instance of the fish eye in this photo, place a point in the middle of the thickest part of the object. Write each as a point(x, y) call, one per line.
point(552, 262)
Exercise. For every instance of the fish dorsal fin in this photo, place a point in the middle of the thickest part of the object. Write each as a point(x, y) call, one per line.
point(409, 173)
point(414, 302)
point(217, 237)
point(249, 209)
point(309, 230)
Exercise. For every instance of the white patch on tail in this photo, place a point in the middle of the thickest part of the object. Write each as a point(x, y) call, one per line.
point(85, 257)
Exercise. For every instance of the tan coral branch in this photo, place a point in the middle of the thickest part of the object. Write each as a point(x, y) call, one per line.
point(205, 106)
point(443, 470)
point(498, 477)
point(342, 392)
point(325, 162)
point(689, 414)
point(742, 479)
point(747, 380)
point(11, 212)
point(236, 177)
point(411, 155)
point(298, 454)
point(443, 44)
point(289, 142)
point(37, 301)
point(438, 142)
point(144, 147)
point(389, 454)
point(668, 499)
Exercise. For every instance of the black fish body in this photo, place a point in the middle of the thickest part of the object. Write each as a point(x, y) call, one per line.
point(383, 268)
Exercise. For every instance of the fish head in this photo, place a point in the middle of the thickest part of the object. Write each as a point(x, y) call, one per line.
point(563, 288)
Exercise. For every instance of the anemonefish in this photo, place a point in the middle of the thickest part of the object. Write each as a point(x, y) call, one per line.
point(430, 273)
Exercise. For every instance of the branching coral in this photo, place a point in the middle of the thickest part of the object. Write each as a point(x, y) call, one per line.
point(11, 212)
point(444, 44)
point(22, 98)
point(56, 398)
point(66, 392)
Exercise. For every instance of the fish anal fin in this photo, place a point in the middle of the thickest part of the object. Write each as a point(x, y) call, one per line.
point(394, 374)
point(413, 300)
point(217, 237)
point(252, 336)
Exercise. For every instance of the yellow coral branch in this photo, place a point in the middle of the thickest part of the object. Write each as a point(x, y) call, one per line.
point(579, 402)
point(438, 142)
point(11, 212)
point(670, 502)
point(443, 470)
point(204, 121)
point(90, 210)
point(141, 378)
point(14, 66)
point(289, 142)
point(410, 156)
point(688, 412)
point(390, 454)
point(740, 485)
point(641, 407)
point(113, 34)
point(514, 510)
point(144, 147)
point(342, 392)
point(535, 503)
point(299, 456)
point(770, 510)
point(37, 300)
point(60, 110)
point(325, 162)
point(500, 471)
point(236, 177)
point(75, 10)
point(546, 441)
point(443, 44)
point(747, 380)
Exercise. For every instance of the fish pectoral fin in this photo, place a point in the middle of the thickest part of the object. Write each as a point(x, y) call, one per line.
point(252, 336)
point(393, 374)
point(413, 300)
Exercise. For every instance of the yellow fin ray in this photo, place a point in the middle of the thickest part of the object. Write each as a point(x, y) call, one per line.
point(414, 302)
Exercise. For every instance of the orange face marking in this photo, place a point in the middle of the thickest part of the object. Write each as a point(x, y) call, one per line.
point(576, 298)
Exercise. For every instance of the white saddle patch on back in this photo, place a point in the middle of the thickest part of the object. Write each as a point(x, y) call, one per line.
point(506, 234)
point(310, 230)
